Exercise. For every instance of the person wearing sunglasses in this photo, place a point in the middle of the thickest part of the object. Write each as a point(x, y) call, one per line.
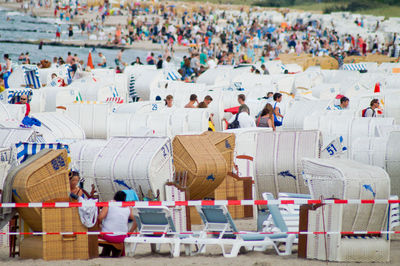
point(24, 100)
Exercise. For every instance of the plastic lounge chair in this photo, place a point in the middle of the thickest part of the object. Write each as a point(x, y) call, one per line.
point(289, 213)
point(155, 227)
point(219, 223)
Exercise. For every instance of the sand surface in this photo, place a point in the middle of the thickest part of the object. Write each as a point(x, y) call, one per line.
point(213, 256)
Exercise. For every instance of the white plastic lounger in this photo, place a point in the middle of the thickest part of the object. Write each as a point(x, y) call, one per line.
point(154, 225)
point(218, 221)
point(283, 217)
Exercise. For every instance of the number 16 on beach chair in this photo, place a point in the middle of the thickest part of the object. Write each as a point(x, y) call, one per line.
point(155, 227)
point(219, 224)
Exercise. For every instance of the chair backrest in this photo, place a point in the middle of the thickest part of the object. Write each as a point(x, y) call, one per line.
point(156, 219)
point(276, 213)
point(31, 75)
point(216, 218)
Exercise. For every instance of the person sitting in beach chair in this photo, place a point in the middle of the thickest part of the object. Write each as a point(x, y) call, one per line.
point(115, 219)
point(76, 187)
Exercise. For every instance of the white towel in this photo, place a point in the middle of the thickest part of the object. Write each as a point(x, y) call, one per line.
point(87, 214)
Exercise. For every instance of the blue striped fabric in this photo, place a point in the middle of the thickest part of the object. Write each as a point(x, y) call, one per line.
point(25, 149)
point(173, 75)
point(114, 91)
point(69, 70)
point(31, 74)
point(132, 91)
point(14, 94)
point(354, 67)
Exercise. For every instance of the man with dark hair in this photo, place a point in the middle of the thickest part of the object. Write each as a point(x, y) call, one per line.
point(192, 101)
point(264, 70)
point(370, 111)
point(74, 68)
point(278, 117)
point(344, 103)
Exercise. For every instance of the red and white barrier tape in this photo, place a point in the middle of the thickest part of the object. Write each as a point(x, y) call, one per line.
point(355, 233)
point(192, 203)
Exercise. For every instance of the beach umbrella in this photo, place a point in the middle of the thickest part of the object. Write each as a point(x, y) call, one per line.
point(233, 110)
point(90, 61)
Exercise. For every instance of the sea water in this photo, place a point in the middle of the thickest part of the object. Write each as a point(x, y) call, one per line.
point(16, 25)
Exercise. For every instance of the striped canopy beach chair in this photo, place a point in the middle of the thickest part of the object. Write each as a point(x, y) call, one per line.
point(25, 149)
point(31, 75)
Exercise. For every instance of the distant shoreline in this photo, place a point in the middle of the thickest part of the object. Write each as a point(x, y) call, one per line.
point(110, 21)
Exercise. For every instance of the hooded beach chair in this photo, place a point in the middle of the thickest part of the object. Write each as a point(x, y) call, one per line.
point(219, 223)
point(31, 75)
point(155, 227)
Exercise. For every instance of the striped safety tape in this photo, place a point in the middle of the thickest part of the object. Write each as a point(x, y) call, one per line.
point(354, 233)
point(192, 203)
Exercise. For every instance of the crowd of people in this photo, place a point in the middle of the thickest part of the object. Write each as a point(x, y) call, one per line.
point(211, 34)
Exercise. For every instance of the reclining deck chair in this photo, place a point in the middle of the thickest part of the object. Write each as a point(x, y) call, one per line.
point(283, 217)
point(218, 222)
point(155, 227)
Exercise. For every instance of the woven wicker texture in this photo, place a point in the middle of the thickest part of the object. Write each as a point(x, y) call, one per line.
point(230, 188)
point(64, 247)
point(43, 178)
point(205, 165)
point(225, 143)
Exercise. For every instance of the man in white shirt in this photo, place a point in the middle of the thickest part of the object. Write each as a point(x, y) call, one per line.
point(244, 118)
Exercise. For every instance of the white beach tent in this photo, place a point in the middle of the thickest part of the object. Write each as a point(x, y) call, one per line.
point(246, 144)
point(139, 107)
point(140, 163)
point(347, 126)
point(93, 118)
point(59, 96)
point(11, 136)
point(308, 79)
point(326, 91)
point(144, 78)
point(12, 111)
point(82, 155)
point(345, 179)
point(382, 152)
point(299, 110)
point(221, 75)
point(60, 125)
point(278, 160)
